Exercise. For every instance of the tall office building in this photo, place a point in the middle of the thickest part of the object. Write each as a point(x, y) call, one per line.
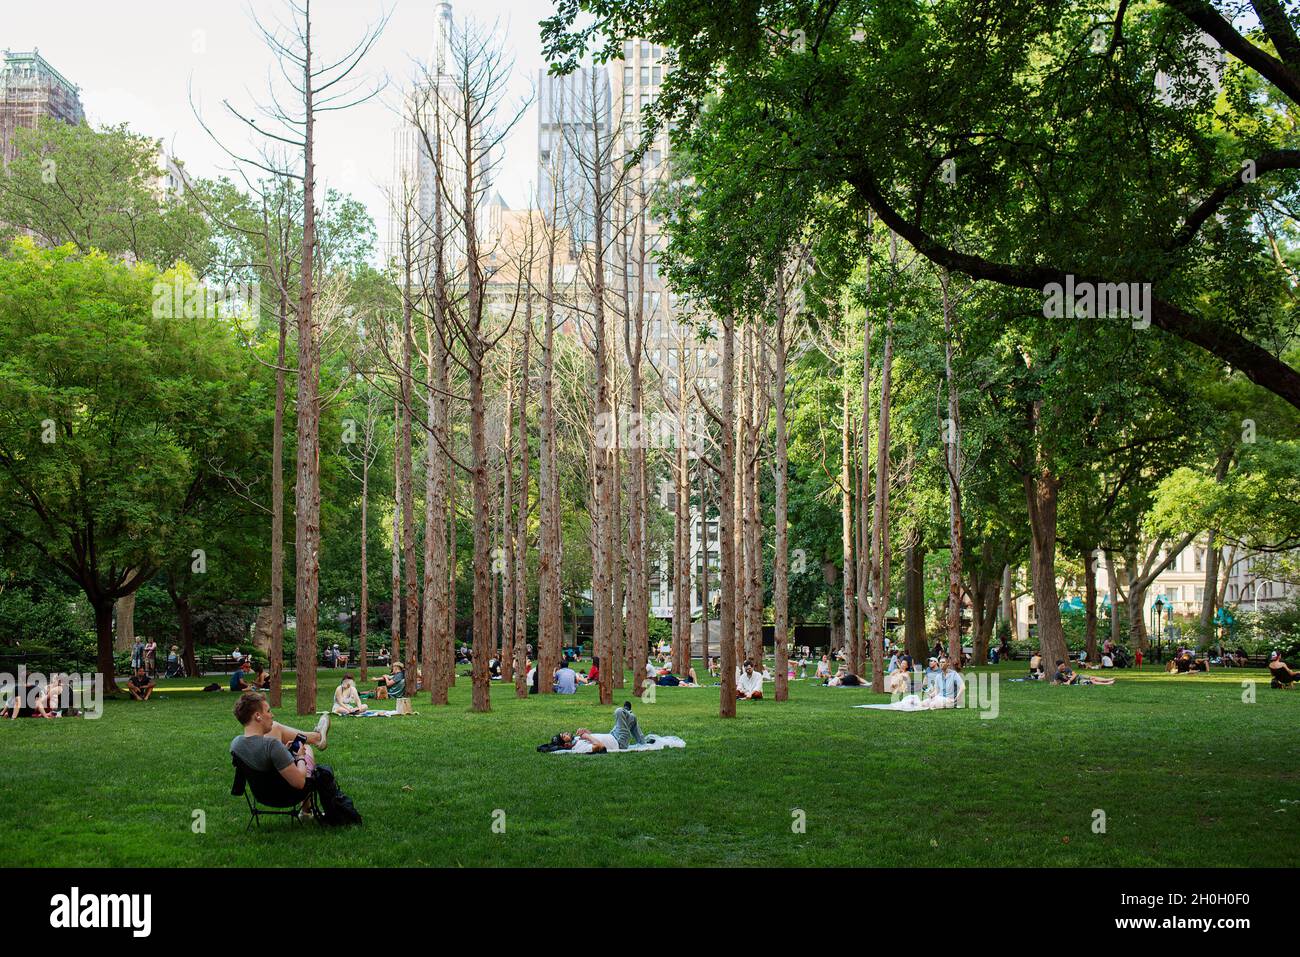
point(432, 125)
point(29, 89)
point(671, 340)
point(573, 125)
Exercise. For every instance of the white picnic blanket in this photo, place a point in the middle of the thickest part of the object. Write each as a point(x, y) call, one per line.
point(910, 703)
point(373, 714)
point(654, 742)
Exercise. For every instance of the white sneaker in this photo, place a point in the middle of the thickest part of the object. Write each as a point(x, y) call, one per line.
point(323, 729)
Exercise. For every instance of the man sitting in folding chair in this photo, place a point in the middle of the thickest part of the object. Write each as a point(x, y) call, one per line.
point(275, 761)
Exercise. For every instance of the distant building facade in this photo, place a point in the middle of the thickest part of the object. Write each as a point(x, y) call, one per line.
point(31, 88)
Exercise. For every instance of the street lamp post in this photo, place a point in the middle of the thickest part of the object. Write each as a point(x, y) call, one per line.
point(1160, 607)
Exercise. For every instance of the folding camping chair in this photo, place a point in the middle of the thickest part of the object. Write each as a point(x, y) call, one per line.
point(268, 793)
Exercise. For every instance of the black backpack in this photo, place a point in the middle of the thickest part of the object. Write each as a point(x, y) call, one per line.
point(336, 808)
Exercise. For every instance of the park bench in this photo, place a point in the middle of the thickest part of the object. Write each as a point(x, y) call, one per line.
point(226, 663)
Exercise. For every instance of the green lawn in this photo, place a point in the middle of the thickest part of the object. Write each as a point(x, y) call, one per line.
point(1186, 773)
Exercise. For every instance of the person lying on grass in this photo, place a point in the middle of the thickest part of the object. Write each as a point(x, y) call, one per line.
point(140, 685)
point(625, 731)
point(267, 745)
point(845, 679)
point(347, 700)
point(749, 684)
point(1064, 675)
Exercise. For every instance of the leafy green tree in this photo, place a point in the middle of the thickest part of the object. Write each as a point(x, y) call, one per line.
point(111, 417)
point(101, 189)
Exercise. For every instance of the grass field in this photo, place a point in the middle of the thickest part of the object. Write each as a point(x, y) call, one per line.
point(1186, 773)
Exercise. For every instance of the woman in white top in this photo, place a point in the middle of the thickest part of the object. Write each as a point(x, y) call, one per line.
point(347, 700)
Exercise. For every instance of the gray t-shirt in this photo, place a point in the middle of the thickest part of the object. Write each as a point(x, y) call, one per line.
point(261, 752)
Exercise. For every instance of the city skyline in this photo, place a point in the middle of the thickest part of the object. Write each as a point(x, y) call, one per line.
point(144, 79)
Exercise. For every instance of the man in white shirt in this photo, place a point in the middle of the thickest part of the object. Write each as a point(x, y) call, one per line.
point(584, 742)
point(750, 684)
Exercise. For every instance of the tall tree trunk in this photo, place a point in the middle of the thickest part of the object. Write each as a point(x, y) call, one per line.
point(520, 637)
point(726, 531)
point(880, 558)
point(307, 488)
point(125, 616)
point(277, 513)
point(848, 577)
point(365, 568)
point(914, 636)
point(618, 616)
point(952, 451)
point(1210, 589)
point(453, 567)
point(1112, 590)
point(396, 617)
point(780, 518)
point(1089, 556)
point(411, 602)
point(549, 620)
point(681, 533)
point(1040, 495)
point(507, 657)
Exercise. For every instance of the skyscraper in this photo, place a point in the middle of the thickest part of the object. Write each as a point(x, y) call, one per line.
point(573, 123)
point(431, 137)
point(29, 89)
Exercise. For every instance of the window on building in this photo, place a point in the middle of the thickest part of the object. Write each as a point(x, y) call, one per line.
point(645, 50)
point(627, 50)
point(645, 76)
point(627, 76)
point(658, 75)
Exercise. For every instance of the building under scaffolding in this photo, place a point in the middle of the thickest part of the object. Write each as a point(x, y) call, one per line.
point(29, 89)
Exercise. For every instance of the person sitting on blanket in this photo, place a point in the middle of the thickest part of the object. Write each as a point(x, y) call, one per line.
point(899, 680)
point(824, 668)
point(749, 685)
point(931, 674)
point(1036, 671)
point(948, 687)
point(267, 745)
point(391, 685)
point(347, 700)
point(689, 680)
point(263, 680)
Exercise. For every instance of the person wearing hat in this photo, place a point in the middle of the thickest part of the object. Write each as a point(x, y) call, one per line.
point(931, 674)
point(1283, 676)
point(948, 686)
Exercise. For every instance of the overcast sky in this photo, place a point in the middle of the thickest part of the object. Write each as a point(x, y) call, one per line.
point(136, 63)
